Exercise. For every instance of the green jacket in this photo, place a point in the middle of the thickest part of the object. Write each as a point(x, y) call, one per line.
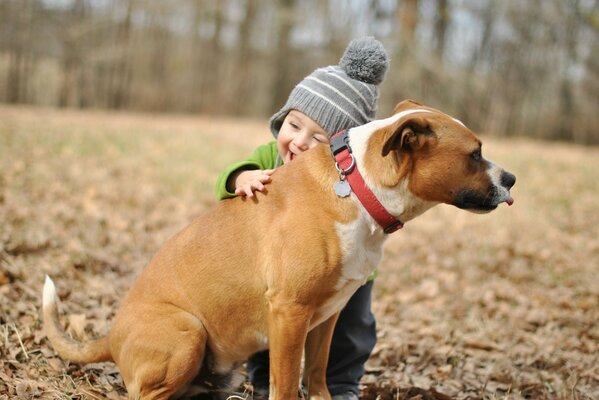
point(264, 157)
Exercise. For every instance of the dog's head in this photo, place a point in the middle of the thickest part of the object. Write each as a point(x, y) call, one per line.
point(430, 158)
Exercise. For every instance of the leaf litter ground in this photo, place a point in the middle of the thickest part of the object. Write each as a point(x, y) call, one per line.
point(498, 306)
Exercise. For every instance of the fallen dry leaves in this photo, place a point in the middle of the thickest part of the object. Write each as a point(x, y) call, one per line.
point(499, 306)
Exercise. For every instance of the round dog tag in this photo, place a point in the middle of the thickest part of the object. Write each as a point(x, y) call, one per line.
point(342, 188)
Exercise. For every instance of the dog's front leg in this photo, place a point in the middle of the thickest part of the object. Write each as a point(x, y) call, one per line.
point(287, 330)
point(318, 345)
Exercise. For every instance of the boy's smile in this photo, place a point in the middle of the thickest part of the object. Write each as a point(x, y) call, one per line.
point(297, 134)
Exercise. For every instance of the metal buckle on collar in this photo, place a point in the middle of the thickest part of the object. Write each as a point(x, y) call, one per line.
point(343, 172)
point(340, 142)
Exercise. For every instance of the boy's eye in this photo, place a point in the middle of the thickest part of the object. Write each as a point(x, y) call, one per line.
point(294, 125)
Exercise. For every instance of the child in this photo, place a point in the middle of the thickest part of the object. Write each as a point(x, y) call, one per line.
point(325, 102)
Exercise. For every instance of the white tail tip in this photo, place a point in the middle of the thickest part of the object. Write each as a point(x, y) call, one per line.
point(49, 292)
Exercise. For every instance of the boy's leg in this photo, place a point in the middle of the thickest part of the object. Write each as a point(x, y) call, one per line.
point(353, 340)
point(259, 373)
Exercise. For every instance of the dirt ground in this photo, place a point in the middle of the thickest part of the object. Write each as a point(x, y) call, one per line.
point(497, 306)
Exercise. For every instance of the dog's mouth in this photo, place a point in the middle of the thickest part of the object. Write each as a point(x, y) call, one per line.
point(473, 201)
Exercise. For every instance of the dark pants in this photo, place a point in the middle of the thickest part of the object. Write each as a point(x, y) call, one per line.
point(353, 340)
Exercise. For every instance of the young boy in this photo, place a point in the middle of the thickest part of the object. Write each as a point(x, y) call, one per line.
point(325, 102)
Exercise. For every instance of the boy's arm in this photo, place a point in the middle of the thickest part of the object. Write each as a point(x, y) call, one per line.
point(264, 157)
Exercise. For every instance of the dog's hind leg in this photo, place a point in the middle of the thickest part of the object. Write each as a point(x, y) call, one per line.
point(160, 363)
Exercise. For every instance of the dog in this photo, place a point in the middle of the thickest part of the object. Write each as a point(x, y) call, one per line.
point(274, 271)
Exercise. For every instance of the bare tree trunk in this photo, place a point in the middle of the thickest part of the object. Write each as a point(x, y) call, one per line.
point(241, 91)
point(13, 84)
point(211, 84)
point(474, 106)
point(69, 65)
point(160, 45)
point(590, 88)
point(441, 24)
point(199, 55)
point(282, 84)
point(403, 80)
point(19, 54)
point(566, 129)
point(71, 88)
point(408, 19)
point(121, 74)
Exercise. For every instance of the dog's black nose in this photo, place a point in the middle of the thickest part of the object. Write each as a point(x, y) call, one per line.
point(507, 180)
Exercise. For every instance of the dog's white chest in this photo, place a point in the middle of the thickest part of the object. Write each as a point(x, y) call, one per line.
point(361, 251)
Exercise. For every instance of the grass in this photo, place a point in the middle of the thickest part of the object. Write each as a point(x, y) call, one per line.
point(498, 306)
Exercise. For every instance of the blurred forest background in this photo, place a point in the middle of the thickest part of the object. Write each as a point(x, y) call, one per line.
point(511, 68)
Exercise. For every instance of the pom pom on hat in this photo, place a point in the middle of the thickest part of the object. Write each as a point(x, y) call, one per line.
point(365, 59)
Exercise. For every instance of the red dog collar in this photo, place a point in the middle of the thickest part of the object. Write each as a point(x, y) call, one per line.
point(346, 165)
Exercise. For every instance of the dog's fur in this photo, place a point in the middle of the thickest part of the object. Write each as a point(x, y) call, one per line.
point(274, 271)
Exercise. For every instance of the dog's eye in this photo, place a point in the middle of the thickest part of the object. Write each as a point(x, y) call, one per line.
point(476, 155)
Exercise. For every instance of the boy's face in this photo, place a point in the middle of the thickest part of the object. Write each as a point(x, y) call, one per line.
point(298, 133)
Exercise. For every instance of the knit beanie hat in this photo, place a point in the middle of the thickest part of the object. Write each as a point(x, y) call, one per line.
point(340, 96)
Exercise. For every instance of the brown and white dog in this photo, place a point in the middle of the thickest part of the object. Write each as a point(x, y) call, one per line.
point(273, 272)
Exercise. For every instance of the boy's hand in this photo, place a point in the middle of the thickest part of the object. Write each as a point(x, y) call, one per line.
point(246, 182)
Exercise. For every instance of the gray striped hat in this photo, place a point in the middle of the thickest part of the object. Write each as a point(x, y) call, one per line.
point(340, 96)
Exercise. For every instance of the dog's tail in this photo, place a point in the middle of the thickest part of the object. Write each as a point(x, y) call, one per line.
point(68, 348)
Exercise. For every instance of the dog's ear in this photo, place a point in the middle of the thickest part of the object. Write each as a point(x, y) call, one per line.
point(406, 104)
point(409, 134)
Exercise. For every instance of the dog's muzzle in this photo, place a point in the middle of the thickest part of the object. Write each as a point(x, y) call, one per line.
point(475, 201)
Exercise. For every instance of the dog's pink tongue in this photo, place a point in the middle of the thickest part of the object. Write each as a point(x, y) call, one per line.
point(510, 201)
